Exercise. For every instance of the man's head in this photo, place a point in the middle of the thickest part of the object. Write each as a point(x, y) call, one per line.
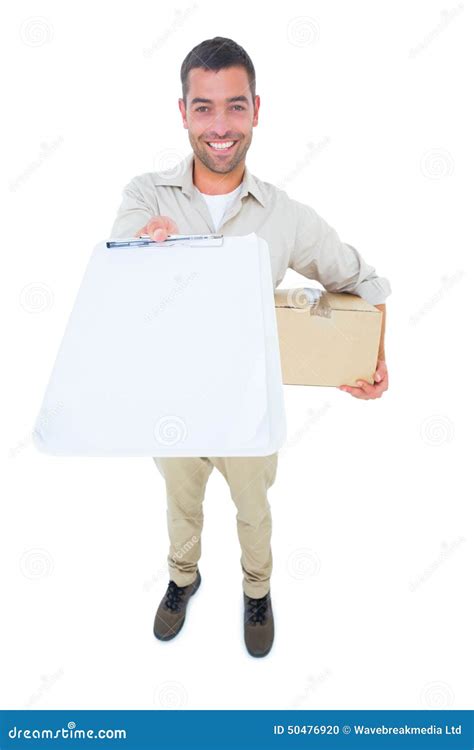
point(219, 103)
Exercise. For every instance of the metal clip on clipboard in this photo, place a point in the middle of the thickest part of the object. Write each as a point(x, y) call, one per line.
point(190, 240)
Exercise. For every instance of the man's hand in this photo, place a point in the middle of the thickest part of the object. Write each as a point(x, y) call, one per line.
point(366, 390)
point(159, 227)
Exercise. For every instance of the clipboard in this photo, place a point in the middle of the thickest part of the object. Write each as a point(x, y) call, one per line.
point(190, 240)
point(162, 357)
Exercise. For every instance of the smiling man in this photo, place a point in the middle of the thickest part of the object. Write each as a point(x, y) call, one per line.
point(213, 190)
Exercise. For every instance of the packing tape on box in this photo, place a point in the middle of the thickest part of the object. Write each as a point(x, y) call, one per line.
point(318, 300)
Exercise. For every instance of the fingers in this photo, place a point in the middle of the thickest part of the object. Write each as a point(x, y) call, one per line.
point(381, 372)
point(356, 392)
point(171, 226)
point(369, 390)
point(159, 228)
point(364, 390)
point(159, 234)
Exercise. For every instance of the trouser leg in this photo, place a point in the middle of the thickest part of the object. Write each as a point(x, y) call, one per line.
point(249, 478)
point(186, 480)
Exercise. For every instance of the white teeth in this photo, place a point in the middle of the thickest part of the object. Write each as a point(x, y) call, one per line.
point(222, 145)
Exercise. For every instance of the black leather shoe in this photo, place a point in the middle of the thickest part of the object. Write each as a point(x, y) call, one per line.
point(171, 613)
point(259, 627)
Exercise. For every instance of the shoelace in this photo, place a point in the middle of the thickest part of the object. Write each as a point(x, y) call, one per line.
point(173, 596)
point(257, 609)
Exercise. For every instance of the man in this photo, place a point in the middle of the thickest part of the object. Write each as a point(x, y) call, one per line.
point(212, 190)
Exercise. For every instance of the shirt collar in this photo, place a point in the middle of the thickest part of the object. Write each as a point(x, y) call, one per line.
point(182, 176)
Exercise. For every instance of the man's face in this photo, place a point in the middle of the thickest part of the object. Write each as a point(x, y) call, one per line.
point(219, 110)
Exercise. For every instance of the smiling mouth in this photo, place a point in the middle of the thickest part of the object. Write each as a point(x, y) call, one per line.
point(221, 147)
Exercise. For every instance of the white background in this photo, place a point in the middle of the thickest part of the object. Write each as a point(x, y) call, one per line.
point(365, 116)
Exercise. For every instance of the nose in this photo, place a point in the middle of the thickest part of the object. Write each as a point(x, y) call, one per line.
point(221, 124)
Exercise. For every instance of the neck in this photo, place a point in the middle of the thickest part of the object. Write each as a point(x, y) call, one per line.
point(214, 183)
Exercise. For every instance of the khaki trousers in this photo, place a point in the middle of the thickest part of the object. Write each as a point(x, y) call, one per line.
point(248, 478)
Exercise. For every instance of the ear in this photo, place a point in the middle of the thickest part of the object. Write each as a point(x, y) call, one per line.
point(256, 109)
point(182, 109)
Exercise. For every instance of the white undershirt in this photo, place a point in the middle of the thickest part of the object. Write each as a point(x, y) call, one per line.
point(218, 204)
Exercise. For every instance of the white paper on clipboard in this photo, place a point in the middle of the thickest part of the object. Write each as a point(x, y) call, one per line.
point(169, 351)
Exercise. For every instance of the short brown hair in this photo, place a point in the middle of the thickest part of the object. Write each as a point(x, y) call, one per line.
point(216, 54)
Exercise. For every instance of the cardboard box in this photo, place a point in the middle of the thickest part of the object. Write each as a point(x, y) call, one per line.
point(326, 338)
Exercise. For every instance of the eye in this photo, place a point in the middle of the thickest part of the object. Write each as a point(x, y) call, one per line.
point(235, 106)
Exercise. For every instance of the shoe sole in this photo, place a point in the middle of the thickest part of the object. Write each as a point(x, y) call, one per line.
point(173, 635)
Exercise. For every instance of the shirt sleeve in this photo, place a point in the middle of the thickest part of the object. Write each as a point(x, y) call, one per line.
point(134, 212)
point(319, 254)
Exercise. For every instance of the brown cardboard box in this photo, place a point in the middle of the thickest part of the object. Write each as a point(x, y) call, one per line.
point(326, 338)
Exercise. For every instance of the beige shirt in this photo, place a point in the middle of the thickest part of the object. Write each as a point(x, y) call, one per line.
point(297, 236)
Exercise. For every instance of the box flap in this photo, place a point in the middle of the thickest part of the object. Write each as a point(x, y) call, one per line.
point(320, 301)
